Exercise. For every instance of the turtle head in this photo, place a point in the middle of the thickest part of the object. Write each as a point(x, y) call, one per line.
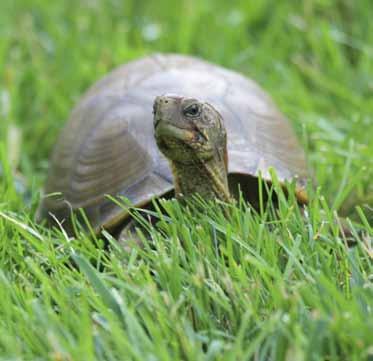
point(191, 134)
point(188, 130)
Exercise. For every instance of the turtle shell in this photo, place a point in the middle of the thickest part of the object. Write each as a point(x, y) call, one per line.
point(108, 148)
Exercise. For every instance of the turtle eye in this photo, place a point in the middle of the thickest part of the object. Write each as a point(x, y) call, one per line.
point(192, 110)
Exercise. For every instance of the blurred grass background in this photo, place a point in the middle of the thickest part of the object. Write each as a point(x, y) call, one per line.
point(276, 287)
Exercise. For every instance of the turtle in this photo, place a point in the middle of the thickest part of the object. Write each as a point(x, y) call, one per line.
point(167, 125)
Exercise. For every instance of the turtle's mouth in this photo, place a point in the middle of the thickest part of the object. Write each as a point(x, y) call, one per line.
point(156, 119)
point(175, 143)
point(165, 131)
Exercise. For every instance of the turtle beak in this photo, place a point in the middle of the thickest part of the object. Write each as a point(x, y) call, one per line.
point(169, 131)
point(166, 124)
point(164, 108)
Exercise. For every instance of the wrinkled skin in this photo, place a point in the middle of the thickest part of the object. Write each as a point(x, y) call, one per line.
point(193, 138)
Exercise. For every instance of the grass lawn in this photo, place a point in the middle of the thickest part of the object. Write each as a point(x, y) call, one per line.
point(261, 288)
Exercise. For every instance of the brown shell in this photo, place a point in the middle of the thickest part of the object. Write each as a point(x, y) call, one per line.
point(108, 147)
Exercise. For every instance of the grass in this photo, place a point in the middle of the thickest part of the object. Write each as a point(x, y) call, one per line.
point(260, 287)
